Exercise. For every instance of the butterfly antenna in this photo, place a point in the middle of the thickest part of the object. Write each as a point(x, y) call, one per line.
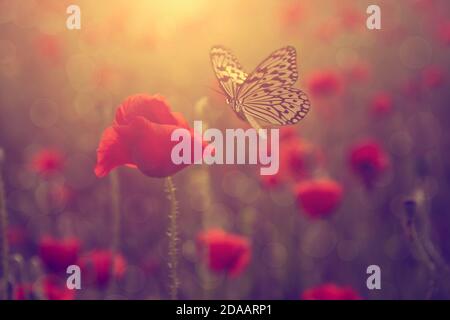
point(215, 90)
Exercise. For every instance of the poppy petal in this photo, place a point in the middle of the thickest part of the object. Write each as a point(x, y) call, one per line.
point(153, 108)
point(112, 152)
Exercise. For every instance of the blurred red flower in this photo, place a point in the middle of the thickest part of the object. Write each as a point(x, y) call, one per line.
point(412, 89)
point(433, 77)
point(358, 72)
point(54, 288)
point(324, 83)
point(58, 254)
point(47, 162)
point(17, 236)
point(151, 265)
point(225, 252)
point(23, 291)
point(327, 30)
point(292, 14)
point(140, 136)
point(368, 160)
point(444, 33)
point(287, 133)
point(298, 159)
point(49, 287)
point(107, 77)
point(425, 5)
point(97, 266)
point(382, 104)
point(271, 181)
point(60, 195)
point(49, 47)
point(352, 19)
point(319, 197)
point(330, 291)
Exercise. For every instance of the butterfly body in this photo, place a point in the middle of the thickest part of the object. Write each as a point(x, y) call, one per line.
point(265, 96)
point(237, 107)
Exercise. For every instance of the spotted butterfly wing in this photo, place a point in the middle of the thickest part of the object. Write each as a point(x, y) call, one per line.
point(228, 70)
point(279, 106)
point(277, 70)
point(267, 93)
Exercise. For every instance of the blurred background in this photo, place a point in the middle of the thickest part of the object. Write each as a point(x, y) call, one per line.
point(364, 178)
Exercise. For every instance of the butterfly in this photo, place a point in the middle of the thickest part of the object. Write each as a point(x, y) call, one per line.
point(266, 96)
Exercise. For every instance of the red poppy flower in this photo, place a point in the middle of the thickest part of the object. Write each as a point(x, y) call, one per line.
point(319, 198)
point(58, 254)
point(140, 137)
point(330, 292)
point(324, 83)
point(48, 287)
point(382, 104)
point(368, 160)
point(47, 162)
point(97, 266)
point(225, 252)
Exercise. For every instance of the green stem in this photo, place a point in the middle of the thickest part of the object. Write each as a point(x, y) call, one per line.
point(173, 239)
point(4, 259)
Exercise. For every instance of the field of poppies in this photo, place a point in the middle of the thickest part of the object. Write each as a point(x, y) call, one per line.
point(86, 177)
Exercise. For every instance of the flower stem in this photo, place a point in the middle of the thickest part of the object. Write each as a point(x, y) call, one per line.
point(204, 179)
point(18, 263)
point(4, 259)
point(116, 223)
point(425, 251)
point(173, 239)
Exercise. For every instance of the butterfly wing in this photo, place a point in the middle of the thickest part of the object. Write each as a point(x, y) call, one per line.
point(279, 106)
point(228, 70)
point(277, 70)
point(267, 93)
